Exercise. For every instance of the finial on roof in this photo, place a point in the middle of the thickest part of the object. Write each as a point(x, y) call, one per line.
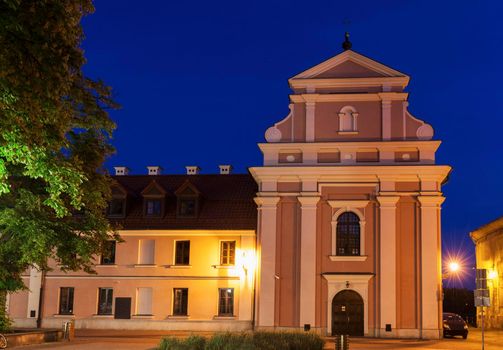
point(346, 45)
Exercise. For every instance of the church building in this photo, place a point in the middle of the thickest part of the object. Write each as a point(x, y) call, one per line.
point(337, 232)
point(349, 207)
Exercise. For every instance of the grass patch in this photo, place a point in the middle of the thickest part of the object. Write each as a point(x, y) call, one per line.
point(246, 341)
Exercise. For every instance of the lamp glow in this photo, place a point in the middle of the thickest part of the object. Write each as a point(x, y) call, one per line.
point(454, 266)
point(492, 274)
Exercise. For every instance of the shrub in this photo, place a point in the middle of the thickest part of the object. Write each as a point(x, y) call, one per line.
point(247, 341)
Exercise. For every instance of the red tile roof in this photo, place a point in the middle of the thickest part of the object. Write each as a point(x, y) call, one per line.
point(226, 202)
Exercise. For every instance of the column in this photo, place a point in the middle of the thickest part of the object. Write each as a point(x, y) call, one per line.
point(431, 267)
point(387, 270)
point(308, 260)
point(266, 246)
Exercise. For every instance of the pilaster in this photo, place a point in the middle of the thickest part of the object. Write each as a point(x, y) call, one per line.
point(431, 267)
point(308, 260)
point(310, 106)
point(266, 246)
point(387, 273)
point(386, 119)
point(34, 292)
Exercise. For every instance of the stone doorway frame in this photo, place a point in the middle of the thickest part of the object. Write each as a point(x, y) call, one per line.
point(358, 283)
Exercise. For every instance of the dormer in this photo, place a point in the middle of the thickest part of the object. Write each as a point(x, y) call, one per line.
point(154, 198)
point(188, 200)
point(118, 201)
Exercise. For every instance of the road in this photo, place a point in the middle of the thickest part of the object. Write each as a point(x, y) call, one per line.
point(148, 340)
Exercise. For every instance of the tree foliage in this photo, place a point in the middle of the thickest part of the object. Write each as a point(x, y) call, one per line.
point(54, 136)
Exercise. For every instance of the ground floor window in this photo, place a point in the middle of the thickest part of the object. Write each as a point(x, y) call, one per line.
point(105, 297)
point(180, 301)
point(144, 301)
point(226, 302)
point(66, 300)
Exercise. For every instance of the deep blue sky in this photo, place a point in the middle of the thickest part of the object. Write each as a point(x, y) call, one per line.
point(200, 81)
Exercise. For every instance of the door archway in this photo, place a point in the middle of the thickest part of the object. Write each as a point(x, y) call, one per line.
point(347, 313)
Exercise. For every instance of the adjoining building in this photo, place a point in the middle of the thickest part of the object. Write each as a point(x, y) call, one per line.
point(488, 241)
point(186, 261)
point(344, 237)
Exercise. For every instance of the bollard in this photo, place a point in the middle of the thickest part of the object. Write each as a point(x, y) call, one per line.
point(341, 342)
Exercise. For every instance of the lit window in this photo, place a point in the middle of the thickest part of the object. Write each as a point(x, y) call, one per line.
point(226, 302)
point(105, 297)
point(66, 300)
point(227, 252)
point(180, 301)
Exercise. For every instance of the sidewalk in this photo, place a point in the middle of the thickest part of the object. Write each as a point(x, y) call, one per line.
point(148, 340)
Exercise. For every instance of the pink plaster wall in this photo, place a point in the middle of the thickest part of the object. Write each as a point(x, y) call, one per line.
point(327, 121)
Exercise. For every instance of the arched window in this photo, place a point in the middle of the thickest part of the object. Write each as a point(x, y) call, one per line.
point(347, 119)
point(348, 234)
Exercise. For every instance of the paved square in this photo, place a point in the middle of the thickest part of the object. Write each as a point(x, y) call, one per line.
point(148, 340)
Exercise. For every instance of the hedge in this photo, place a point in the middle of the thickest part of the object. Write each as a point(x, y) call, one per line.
point(246, 341)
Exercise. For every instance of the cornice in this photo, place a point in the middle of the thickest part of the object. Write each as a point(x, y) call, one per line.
point(387, 201)
point(307, 202)
point(382, 145)
point(348, 203)
point(387, 96)
point(359, 174)
point(348, 82)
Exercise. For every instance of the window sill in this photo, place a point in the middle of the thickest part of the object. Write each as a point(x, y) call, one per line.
point(224, 318)
point(144, 265)
point(177, 317)
point(178, 266)
point(63, 316)
point(103, 316)
point(348, 258)
point(347, 132)
point(106, 265)
point(223, 266)
point(143, 317)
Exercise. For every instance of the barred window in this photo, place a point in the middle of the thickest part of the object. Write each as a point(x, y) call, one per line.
point(348, 234)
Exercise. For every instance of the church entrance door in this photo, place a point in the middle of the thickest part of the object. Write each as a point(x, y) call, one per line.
point(347, 313)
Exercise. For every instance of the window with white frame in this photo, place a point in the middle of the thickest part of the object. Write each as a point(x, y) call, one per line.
point(144, 301)
point(147, 252)
point(347, 119)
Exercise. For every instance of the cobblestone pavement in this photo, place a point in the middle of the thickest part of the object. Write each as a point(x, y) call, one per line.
point(148, 340)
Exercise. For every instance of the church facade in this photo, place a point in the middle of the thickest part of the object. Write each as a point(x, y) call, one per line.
point(349, 208)
point(337, 232)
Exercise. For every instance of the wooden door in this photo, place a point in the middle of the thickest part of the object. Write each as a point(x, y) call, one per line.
point(347, 313)
point(122, 308)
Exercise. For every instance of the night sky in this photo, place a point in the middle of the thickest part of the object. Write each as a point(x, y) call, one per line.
point(200, 81)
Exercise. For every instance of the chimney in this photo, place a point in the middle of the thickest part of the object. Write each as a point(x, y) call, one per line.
point(154, 170)
point(121, 170)
point(225, 169)
point(192, 169)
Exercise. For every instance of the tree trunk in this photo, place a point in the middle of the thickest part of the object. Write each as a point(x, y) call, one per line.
point(5, 322)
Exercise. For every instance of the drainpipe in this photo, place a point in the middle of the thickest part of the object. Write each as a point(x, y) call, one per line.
point(40, 300)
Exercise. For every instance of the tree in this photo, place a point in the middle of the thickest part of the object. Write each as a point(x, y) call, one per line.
point(55, 134)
